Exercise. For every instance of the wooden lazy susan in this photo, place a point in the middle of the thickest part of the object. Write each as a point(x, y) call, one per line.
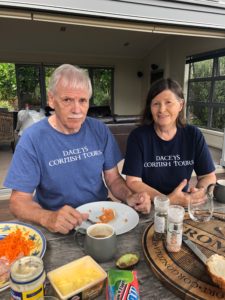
point(182, 272)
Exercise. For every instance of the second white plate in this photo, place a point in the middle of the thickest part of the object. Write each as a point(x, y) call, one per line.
point(125, 220)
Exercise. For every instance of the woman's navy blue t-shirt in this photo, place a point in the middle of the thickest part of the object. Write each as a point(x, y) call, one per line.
point(164, 164)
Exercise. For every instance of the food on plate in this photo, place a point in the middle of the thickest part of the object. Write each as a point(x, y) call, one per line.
point(127, 260)
point(108, 215)
point(13, 246)
point(4, 270)
point(216, 267)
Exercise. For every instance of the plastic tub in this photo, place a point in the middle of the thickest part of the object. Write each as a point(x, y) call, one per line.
point(83, 277)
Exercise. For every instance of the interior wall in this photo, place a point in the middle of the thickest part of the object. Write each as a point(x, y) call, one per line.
point(171, 53)
point(128, 87)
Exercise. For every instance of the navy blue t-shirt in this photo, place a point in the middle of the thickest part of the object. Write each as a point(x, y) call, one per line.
point(164, 164)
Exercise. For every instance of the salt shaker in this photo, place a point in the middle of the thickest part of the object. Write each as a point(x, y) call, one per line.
point(161, 203)
point(174, 228)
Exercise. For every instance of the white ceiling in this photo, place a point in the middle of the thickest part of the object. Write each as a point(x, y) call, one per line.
point(33, 36)
point(20, 39)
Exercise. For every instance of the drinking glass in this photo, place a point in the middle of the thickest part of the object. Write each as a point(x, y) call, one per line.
point(202, 212)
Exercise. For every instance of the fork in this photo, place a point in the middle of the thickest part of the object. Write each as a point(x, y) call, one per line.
point(91, 221)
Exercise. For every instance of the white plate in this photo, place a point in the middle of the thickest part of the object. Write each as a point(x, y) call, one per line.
point(31, 232)
point(125, 220)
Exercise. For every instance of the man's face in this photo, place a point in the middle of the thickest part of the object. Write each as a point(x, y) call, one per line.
point(71, 107)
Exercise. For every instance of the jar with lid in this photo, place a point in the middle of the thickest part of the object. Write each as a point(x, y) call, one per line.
point(161, 203)
point(174, 228)
point(27, 277)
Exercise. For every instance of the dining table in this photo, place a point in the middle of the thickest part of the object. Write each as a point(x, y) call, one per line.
point(62, 249)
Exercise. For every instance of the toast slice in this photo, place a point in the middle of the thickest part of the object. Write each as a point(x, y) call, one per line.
point(216, 267)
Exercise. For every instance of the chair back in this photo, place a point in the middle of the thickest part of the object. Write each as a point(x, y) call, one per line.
point(222, 161)
point(6, 128)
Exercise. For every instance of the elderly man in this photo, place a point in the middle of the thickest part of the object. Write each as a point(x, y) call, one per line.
point(62, 159)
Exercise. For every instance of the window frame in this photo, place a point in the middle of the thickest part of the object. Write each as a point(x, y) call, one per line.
point(42, 83)
point(211, 104)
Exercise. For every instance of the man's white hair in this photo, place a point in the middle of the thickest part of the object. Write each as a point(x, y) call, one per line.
point(70, 76)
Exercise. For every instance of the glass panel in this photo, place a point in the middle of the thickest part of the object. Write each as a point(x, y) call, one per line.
point(102, 84)
point(221, 67)
point(28, 86)
point(219, 92)
point(8, 95)
point(48, 72)
point(201, 69)
point(218, 118)
point(199, 91)
point(198, 115)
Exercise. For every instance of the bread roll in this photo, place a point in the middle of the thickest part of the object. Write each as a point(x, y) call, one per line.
point(216, 267)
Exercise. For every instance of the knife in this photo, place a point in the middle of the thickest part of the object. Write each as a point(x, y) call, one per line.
point(196, 250)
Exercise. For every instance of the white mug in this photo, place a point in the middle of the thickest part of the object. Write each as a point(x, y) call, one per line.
point(100, 242)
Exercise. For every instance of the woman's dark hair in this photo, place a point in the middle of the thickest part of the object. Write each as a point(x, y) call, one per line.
point(158, 87)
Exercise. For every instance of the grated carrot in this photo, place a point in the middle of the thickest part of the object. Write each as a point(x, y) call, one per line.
point(14, 245)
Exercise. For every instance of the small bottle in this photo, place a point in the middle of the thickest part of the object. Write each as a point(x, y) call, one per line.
point(161, 203)
point(27, 278)
point(174, 228)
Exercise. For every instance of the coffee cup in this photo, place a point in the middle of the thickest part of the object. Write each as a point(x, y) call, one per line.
point(100, 242)
point(219, 190)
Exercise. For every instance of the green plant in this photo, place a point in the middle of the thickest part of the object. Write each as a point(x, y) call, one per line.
point(7, 82)
point(6, 104)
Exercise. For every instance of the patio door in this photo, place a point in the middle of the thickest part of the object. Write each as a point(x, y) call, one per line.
point(32, 81)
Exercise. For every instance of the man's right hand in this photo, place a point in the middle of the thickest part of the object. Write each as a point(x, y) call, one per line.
point(63, 220)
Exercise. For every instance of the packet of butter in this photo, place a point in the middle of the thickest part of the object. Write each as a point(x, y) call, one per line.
point(122, 285)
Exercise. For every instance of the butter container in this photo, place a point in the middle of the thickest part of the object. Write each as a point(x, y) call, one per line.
point(83, 277)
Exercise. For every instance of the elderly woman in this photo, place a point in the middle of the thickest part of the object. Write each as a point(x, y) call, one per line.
point(162, 153)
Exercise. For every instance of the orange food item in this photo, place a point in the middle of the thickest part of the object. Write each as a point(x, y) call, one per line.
point(107, 216)
point(14, 245)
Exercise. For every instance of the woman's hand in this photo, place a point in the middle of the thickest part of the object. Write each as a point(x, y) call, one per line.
point(196, 195)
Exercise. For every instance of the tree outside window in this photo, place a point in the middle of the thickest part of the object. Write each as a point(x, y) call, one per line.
point(8, 90)
point(206, 91)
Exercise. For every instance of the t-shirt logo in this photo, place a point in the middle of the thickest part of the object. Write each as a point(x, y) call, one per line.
point(73, 155)
point(168, 161)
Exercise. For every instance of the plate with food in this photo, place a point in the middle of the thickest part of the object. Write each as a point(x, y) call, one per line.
point(18, 239)
point(121, 216)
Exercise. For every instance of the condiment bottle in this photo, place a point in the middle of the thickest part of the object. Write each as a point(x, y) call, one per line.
point(161, 203)
point(27, 278)
point(174, 228)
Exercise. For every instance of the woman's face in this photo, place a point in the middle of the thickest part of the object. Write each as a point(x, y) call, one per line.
point(165, 108)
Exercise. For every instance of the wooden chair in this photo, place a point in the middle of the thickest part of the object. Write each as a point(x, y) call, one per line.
point(7, 128)
point(222, 161)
